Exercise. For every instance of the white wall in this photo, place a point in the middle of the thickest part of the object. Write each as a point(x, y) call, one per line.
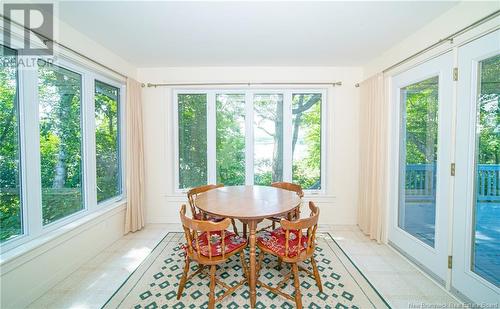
point(31, 274)
point(93, 50)
point(455, 19)
point(28, 271)
point(338, 205)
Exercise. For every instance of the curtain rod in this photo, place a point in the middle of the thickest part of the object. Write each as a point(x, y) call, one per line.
point(238, 84)
point(446, 39)
point(47, 39)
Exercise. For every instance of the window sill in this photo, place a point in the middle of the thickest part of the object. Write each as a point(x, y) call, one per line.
point(19, 255)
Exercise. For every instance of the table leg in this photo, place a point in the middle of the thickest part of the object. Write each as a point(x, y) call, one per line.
point(252, 282)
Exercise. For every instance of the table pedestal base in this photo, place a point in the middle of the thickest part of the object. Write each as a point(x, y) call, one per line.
point(252, 282)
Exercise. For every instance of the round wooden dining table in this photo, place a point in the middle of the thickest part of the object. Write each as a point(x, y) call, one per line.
point(250, 205)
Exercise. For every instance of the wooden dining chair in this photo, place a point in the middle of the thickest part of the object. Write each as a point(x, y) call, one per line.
point(192, 194)
point(292, 246)
point(290, 216)
point(210, 244)
point(293, 215)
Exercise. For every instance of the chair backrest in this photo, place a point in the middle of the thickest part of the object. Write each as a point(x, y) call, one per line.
point(296, 227)
point(194, 228)
point(191, 194)
point(290, 187)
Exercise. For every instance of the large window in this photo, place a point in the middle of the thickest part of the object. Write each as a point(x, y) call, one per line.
point(10, 181)
point(59, 145)
point(249, 137)
point(230, 139)
point(306, 140)
point(268, 138)
point(59, 93)
point(107, 140)
point(193, 138)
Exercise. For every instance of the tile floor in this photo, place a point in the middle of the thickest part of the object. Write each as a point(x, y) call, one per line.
point(399, 282)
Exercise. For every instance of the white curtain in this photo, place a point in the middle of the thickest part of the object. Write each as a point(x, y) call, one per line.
point(372, 201)
point(134, 217)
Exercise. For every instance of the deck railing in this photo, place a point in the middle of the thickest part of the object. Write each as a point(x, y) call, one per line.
point(421, 182)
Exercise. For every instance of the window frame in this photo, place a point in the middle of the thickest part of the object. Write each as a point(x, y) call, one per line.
point(29, 144)
point(121, 136)
point(287, 93)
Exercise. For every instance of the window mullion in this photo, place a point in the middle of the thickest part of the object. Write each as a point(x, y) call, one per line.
point(324, 143)
point(30, 137)
point(88, 142)
point(287, 136)
point(123, 139)
point(175, 122)
point(249, 143)
point(211, 138)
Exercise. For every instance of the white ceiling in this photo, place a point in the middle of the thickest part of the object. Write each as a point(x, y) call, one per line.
point(156, 34)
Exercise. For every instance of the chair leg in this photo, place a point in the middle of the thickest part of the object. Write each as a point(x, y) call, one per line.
point(183, 279)
point(273, 225)
point(234, 227)
point(211, 296)
point(279, 263)
point(259, 264)
point(298, 297)
point(245, 230)
point(316, 274)
point(243, 264)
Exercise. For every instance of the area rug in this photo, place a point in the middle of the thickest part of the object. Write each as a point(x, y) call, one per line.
point(154, 283)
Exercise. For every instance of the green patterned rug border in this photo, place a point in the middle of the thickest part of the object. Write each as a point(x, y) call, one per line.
point(150, 260)
point(359, 270)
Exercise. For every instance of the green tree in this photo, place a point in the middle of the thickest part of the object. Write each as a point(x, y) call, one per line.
point(306, 111)
point(192, 110)
point(59, 92)
point(489, 111)
point(230, 139)
point(10, 201)
point(107, 144)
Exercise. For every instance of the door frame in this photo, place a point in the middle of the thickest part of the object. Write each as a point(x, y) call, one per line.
point(432, 259)
point(463, 280)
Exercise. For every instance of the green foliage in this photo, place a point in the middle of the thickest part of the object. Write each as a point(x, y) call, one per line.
point(268, 124)
point(192, 110)
point(59, 92)
point(10, 210)
point(489, 111)
point(306, 167)
point(107, 143)
point(263, 179)
point(421, 101)
point(230, 140)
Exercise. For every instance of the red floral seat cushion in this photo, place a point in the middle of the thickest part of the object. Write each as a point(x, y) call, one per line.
point(199, 216)
point(231, 241)
point(275, 241)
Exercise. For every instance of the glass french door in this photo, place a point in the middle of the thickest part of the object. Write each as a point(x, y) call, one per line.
point(419, 216)
point(476, 227)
